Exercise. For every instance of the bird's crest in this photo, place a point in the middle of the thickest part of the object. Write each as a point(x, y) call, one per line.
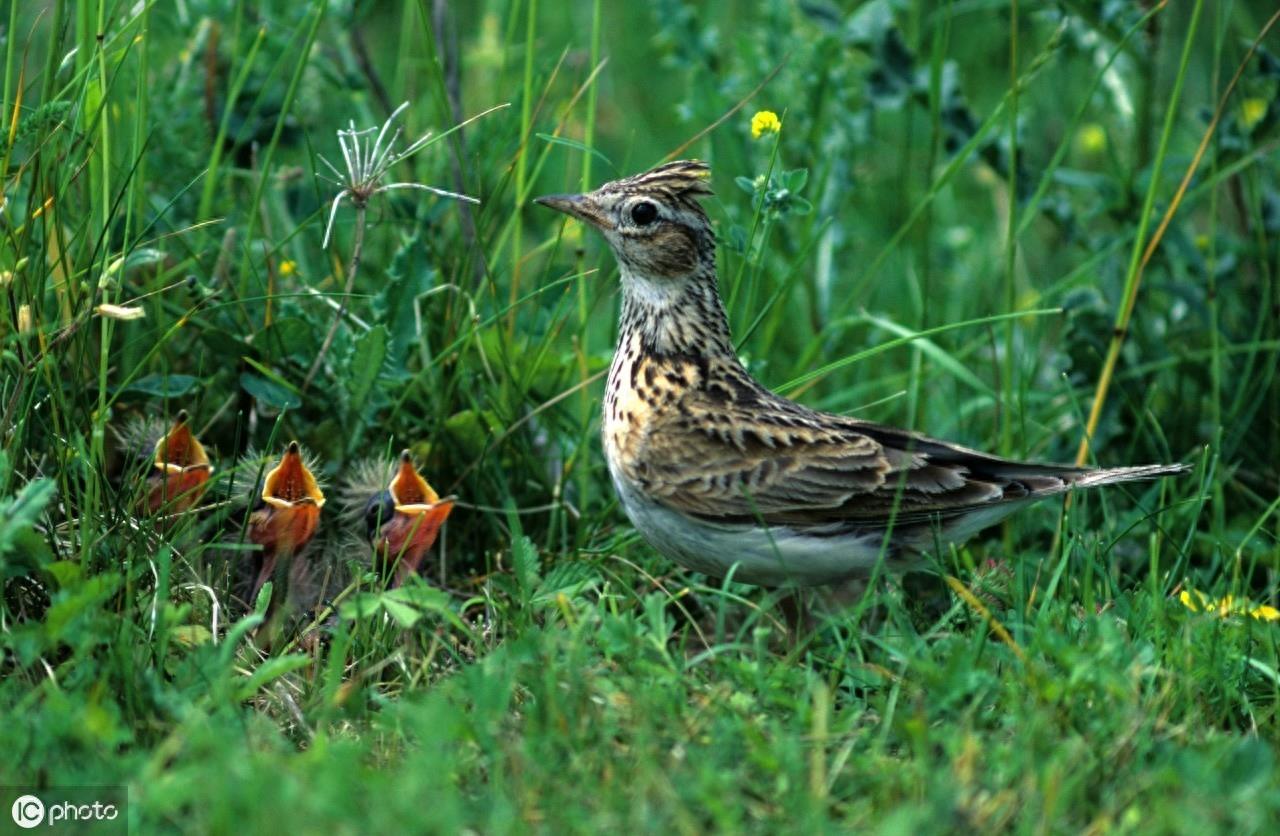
point(680, 179)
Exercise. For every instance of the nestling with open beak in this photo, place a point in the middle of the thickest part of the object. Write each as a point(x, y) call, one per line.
point(180, 470)
point(286, 516)
point(403, 521)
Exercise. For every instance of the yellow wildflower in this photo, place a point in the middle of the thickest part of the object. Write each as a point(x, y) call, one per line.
point(1091, 138)
point(1265, 612)
point(1197, 601)
point(1251, 112)
point(765, 122)
point(288, 267)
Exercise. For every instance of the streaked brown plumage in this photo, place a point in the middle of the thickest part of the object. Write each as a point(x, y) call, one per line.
point(716, 471)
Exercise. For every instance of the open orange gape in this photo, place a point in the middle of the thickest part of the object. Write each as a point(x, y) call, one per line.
point(180, 470)
point(288, 514)
point(410, 528)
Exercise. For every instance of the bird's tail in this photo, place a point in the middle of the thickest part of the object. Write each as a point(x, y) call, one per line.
point(1110, 475)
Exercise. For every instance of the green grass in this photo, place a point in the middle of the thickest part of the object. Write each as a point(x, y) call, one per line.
point(965, 231)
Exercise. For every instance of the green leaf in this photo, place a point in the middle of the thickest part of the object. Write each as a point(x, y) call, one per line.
point(191, 635)
point(83, 599)
point(577, 146)
point(224, 345)
point(408, 277)
point(263, 600)
point(144, 257)
point(959, 370)
point(18, 515)
point(268, 392)
point(365, 363)
point(65, 572)
point(420, 595)
point(403, 614)
point(163, 385)
point(470, 430)
point(269, 671)
point(361, 605)
point(869, 23)
point(569, 579)
point(288, 337)
point(524, 558)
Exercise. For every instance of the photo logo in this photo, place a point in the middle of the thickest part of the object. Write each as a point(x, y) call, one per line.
point(102, 809)
point(27, 811)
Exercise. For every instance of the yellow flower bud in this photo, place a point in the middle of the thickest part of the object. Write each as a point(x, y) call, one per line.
point(1091, 138)
point(765, 122)
point(1251, 112)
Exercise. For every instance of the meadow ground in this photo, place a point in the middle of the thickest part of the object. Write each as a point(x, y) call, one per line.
point(995, 222)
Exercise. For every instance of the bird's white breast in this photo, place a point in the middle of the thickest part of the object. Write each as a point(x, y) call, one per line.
point(769, 557)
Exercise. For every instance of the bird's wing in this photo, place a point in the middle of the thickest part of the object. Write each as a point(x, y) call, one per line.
point(775, 461)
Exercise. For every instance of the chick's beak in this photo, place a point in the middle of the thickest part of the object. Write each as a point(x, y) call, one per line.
point(179, 451)
point(408, 489)
point(290, 512)
point(581, 206)
point(179, 471)
point(291, 482)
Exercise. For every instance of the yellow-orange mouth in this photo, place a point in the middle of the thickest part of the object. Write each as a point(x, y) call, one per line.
point(179, 451)
point(410, 492)
point(291, 483)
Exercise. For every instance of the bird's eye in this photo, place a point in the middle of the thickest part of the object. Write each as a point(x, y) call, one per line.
point(644, 213)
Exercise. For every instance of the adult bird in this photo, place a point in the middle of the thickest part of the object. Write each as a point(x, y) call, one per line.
point(717, 472)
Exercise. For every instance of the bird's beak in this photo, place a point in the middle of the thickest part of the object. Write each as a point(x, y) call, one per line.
point(291, 483)
point(180, 469)
point(180, 452)
point(581, 206)
point(412, 494)
point(290, 514)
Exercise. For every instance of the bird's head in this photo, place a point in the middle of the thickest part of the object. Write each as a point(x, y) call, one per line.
point(288, 508)
point(290, 483)
point(403, 520)
point(653, 222)
point(180, 469)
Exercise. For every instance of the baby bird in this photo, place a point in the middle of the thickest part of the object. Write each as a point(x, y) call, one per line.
point(403, 520)
point(180, 471)
point(720, 474)
point(285, 518)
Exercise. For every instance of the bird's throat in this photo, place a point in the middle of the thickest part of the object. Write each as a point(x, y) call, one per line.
point(674, 317)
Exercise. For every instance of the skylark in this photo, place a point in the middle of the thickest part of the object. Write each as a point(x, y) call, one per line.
point(716, 471)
